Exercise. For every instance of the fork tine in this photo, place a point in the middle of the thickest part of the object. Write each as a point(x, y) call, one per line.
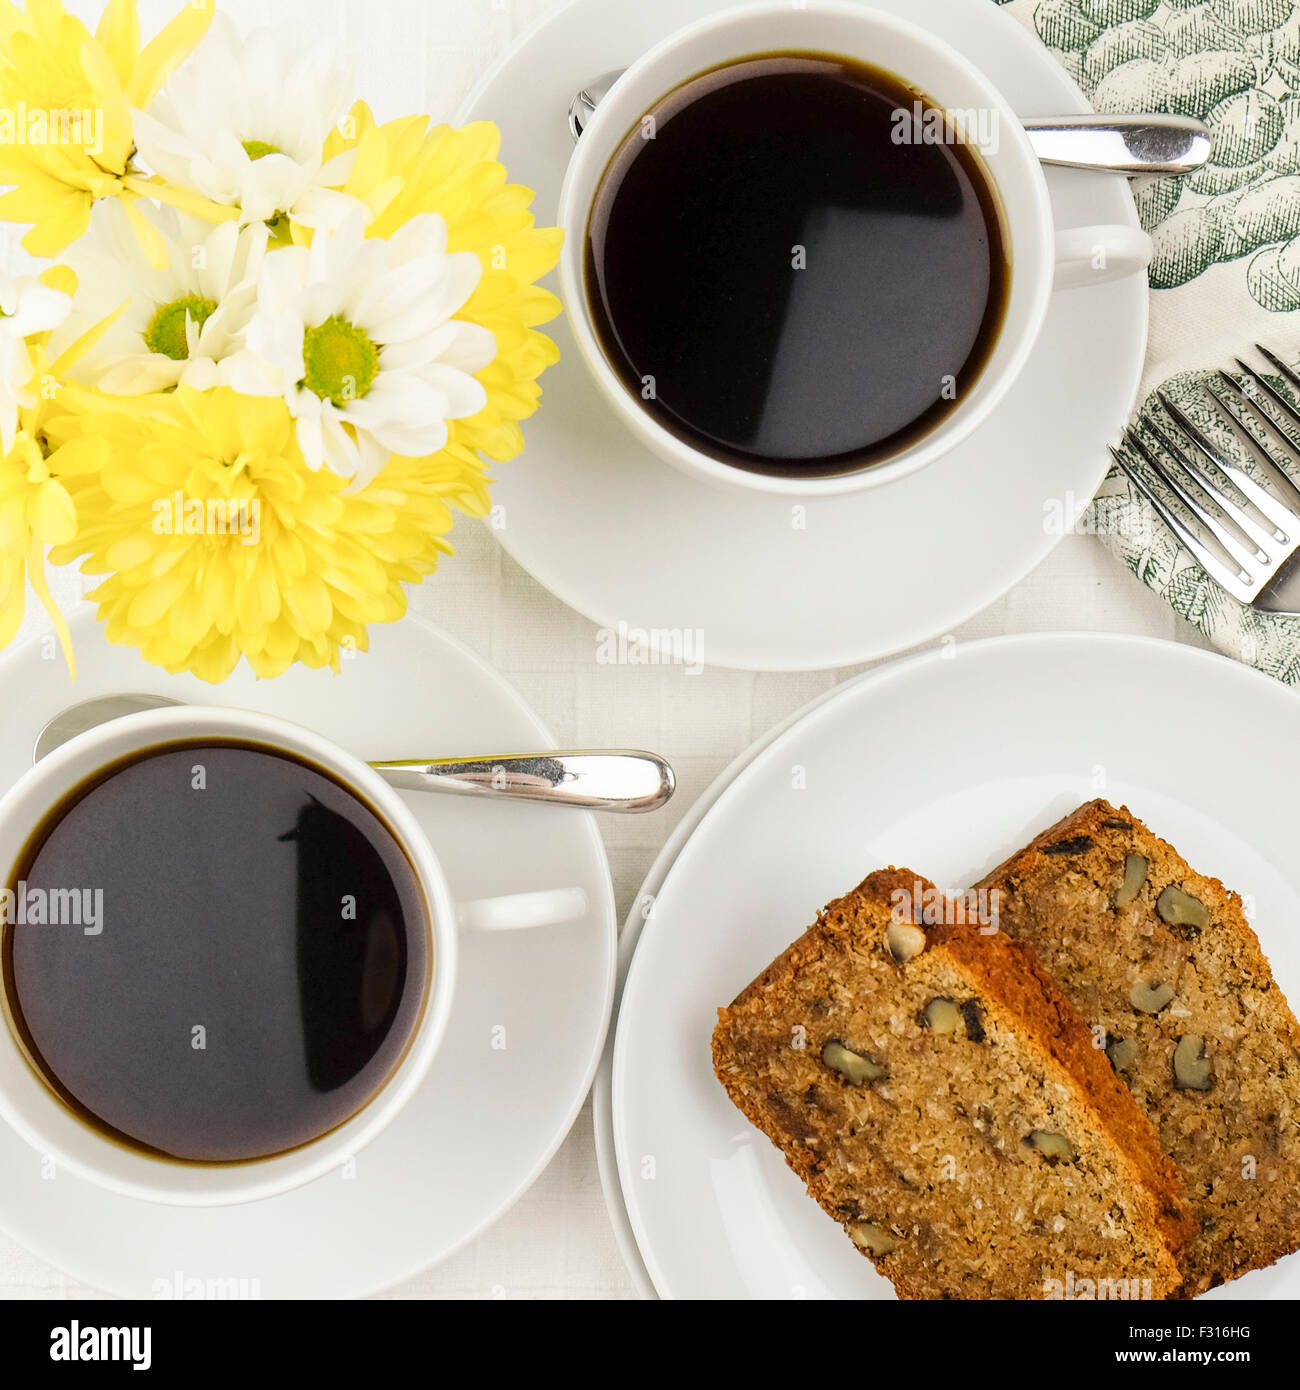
point(1228, 510)
point(1201, 513)
point(1272, 393)
point(1237, 584)
point(1289, 372)
point(1249, 401)
point(1229, 513)
point(1235, 409)
point(1278, 518)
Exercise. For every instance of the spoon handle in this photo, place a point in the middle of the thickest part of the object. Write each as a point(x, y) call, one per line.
point(627, 781)
point(1148, 144)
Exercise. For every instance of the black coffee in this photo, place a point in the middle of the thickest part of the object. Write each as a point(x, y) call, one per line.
point(787, 285)
point(248, 961)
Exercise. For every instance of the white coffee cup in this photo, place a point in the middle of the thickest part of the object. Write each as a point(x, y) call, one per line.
point(31, 1106)
point(1041, 258)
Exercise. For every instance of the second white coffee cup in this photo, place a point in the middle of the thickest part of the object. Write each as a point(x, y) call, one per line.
point(1041, 257)
point(32, 1108)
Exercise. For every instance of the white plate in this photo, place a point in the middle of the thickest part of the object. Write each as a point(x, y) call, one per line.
point(621, 536)
point(488, 1119)
point(945, 763)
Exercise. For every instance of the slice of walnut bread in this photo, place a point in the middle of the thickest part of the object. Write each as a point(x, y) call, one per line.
point(1162, 963)
point(944, 1103)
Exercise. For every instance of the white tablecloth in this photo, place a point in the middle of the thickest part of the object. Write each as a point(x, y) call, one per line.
point(424, 55)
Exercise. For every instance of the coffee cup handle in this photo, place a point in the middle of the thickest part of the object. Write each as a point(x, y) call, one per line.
point(1094, 255)
point(517, 911)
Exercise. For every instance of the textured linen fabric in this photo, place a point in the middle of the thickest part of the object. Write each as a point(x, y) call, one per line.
point(1226, 272)
point(424, 55)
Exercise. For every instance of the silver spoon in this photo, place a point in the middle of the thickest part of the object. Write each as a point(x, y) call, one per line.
point(616, 780)
point(1127, 144)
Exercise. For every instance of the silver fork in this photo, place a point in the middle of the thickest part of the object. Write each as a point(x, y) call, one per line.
point(1242, 533)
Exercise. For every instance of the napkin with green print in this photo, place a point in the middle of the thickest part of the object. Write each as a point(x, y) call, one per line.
point(1226, 272)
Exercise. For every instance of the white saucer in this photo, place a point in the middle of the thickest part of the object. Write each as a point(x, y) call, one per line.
point(888, 775)
point(623, 537)
point(488, 1119)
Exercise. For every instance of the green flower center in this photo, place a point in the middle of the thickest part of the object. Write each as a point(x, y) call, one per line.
point(341, 361)
point(166, 330)
point(278, 227)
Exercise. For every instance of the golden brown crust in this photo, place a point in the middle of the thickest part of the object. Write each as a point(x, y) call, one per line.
point(836, 1137)
point(1059, 894)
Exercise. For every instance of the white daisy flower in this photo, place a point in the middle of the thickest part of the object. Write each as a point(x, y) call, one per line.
point(244, 122)
point(26, 306)
point(182, 324)
point(359, 336)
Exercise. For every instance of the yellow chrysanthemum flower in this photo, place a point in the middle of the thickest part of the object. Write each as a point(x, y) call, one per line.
point(408, 166)
point(65, 116)
point(36, 509)
point(36, 512)
point(218, 542)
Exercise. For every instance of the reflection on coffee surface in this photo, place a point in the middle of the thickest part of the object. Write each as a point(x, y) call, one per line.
point(260, 961)
point(790, 270)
